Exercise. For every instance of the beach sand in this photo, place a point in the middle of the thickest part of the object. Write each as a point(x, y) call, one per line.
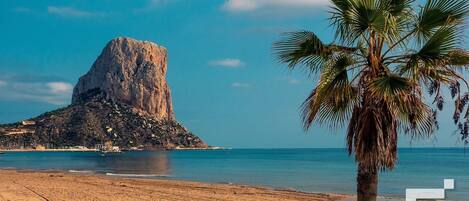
point(31, 186)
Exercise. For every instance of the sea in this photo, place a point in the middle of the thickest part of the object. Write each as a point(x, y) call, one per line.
point(310, 170)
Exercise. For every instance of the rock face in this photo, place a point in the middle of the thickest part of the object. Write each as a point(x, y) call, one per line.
point(123, 99)
point(131, 72)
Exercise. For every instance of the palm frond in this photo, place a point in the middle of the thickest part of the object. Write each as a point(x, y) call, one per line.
point(334, 96)
point(353, 18)
point(438, 51)
point(396, 7)
point(306, 48)
point(438, 13)
point(458, 58)
point(445, 40)
point(430, 62)
point(339, 19)
point(415, 117)
point(389, 86)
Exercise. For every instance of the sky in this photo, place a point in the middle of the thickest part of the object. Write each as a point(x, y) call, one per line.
point(226, 84)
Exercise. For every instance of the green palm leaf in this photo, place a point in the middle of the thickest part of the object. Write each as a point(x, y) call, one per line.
point(333, 99)
point(390, 86)
point(440, 44)
point(437, 13)
point(306, 48)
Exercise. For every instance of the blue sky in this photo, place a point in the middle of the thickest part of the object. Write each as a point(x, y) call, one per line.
point(226, 85)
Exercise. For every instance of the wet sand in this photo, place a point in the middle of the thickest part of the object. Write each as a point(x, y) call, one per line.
point(40, 186)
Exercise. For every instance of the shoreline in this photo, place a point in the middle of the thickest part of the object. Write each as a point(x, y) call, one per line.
point(208, 148)
point(97, 150)
point(49, 150)
point(60, 185)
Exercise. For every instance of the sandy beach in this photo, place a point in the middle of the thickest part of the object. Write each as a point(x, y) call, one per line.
point(32, 186)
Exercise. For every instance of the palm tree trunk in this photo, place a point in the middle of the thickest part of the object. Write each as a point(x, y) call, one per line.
point(367, 184)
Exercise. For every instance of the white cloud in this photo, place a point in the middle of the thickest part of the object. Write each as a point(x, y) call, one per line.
point(71, 12)
point(229, 63)
point(152, 5)
point(240, 5)
point(59, 87)
point(240, 85)
point(35, 89)
point(251, 5)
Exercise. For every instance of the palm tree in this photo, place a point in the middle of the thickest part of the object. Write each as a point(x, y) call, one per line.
point(386, 58)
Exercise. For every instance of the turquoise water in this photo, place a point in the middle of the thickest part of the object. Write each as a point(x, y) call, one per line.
point(313, 170)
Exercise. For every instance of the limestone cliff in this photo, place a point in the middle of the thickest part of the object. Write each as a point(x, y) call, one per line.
point(131, 72)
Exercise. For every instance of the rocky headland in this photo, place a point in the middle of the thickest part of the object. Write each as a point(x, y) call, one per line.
point(123, 99)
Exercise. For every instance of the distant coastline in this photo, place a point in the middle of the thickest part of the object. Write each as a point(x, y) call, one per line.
point(49, 150)
point(207, 148)
point(97, 150)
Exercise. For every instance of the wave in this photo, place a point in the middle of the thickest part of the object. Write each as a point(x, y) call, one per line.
point(81, 171)
point(135, 175)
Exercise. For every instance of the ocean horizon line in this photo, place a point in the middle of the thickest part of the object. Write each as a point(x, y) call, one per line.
point(336, 148)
